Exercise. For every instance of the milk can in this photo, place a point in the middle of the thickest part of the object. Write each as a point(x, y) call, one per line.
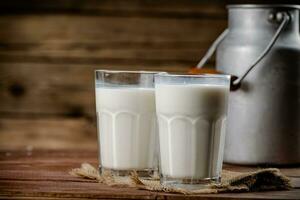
point(261, 49)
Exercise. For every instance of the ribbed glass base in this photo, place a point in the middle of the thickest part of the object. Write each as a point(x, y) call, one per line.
point(144, 173)
point(189, 183)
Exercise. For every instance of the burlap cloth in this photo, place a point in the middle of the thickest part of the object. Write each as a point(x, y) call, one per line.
point(259, 180)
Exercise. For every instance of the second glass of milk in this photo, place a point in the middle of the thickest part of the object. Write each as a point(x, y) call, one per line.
point(126, 119)
point(191, 111)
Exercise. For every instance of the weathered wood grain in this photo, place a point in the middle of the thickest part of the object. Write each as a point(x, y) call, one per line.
point(107, 28)
point(65, 89)
point(160, 8)
point(89, 39)
point(88, 190)
point(48, 52)
point(53, 133)
point(47, 61)
point(43, 174)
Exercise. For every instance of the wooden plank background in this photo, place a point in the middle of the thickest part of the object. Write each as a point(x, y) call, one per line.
point(50, 48)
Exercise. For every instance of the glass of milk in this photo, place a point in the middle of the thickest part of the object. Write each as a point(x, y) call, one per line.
point(191, 112)
point(126, 120)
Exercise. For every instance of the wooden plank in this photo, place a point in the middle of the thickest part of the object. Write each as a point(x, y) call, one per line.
point(159, 8)
point(106, 42)
point(52, 89)
point(62, 27)
point(291, 194)
point(90, 39)
point(72, 42)
point(48, 156)
point(44, 175)
point(65, 89)
point(176, 8)
point(187, 57)
point(69, 189)
point(53, 133)
point(100, 191)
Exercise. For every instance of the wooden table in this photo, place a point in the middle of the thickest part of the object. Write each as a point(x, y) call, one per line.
point(43, 174)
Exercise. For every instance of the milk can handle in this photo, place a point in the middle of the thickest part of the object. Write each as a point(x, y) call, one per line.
point(284, 17)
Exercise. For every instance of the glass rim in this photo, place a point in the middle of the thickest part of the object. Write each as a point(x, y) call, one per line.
point(165, 74)
point(127, 71)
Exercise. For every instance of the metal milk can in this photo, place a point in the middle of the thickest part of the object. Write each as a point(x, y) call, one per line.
point(261, 49)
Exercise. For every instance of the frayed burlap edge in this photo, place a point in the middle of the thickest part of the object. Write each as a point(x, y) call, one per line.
point(259, 180)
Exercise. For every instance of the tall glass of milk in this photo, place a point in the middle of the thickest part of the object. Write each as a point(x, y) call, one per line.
point(126, 119)
point(191, 111)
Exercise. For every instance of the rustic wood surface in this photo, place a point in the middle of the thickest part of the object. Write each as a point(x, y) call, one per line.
point(54, 133)
point(48, 53)
point(49, 50)
point(36, 174)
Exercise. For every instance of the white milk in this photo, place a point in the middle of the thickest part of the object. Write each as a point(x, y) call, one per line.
point(192, 122)
point(127, 125)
